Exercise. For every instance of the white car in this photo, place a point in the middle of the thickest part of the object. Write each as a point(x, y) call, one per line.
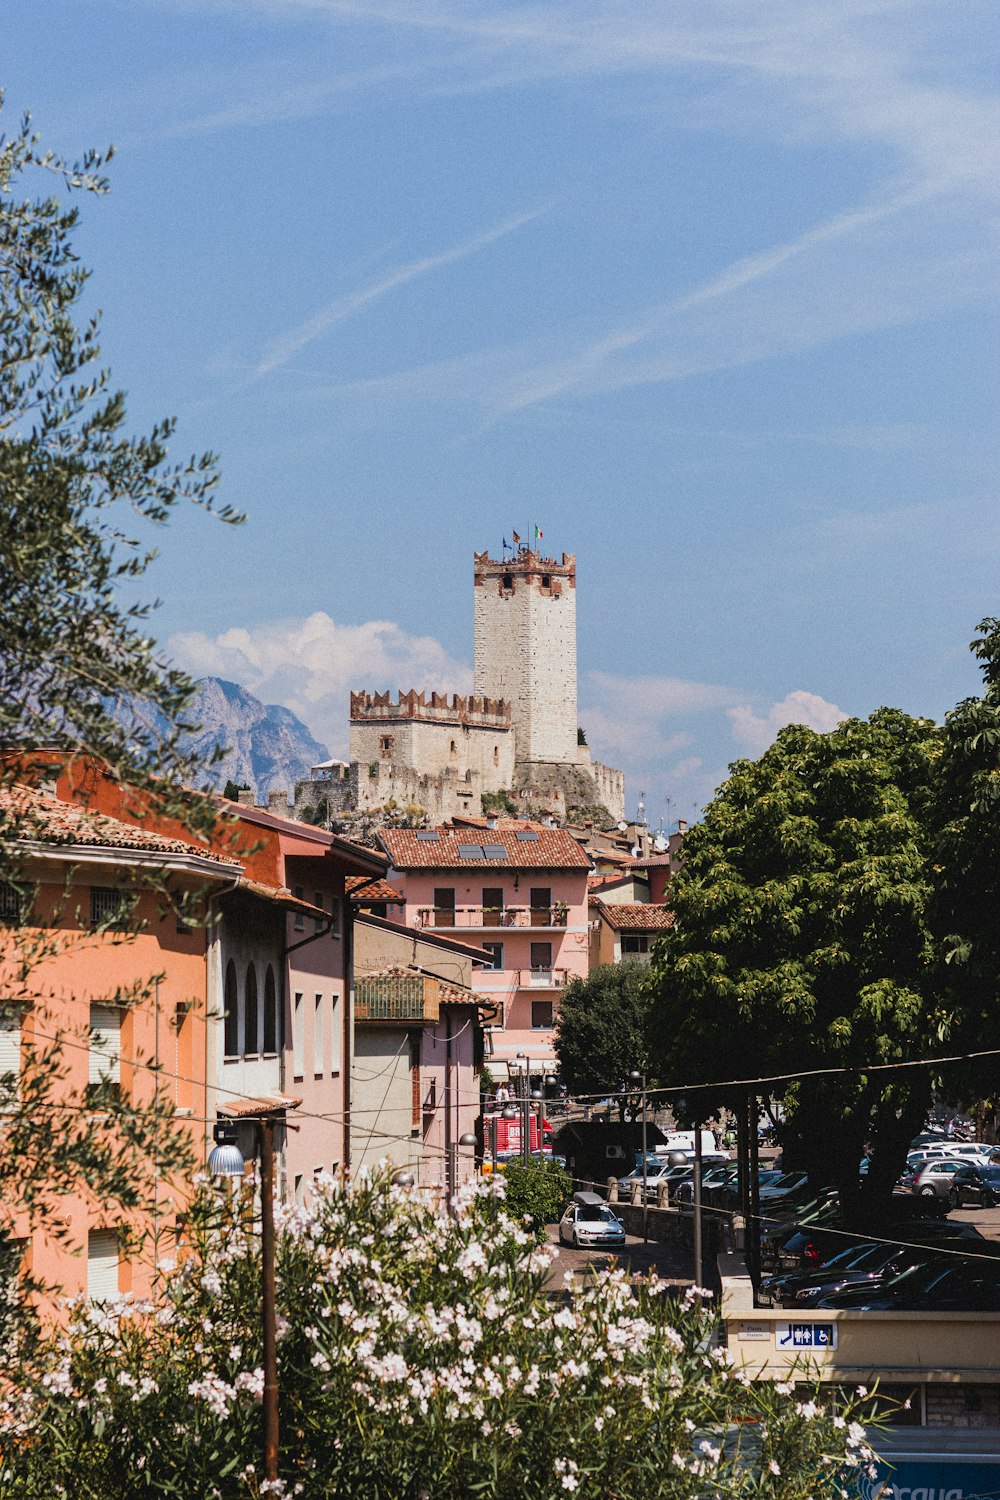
point(589, 1221)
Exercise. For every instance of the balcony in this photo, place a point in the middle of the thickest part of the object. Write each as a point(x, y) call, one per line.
point(493, 918)
point(395, 1000)
point(543, 979)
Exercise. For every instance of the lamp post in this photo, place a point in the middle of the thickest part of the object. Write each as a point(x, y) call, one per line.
point(524, 1087)
point(226, 1160)
point(467, 1139)
point(640, 1078)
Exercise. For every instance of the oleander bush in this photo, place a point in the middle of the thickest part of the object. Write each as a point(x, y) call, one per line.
point(423, 1356)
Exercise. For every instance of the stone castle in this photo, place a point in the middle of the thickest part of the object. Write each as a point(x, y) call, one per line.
point(514, 738)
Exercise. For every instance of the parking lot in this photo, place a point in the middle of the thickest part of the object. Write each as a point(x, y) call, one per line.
point(986, 1220)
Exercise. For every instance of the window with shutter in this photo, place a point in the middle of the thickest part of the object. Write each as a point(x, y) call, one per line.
point(102, 1264)
point(334, 1033)
point(10, 1061)
point(105, 1045)
point(318, 1037)
point(298, 1037)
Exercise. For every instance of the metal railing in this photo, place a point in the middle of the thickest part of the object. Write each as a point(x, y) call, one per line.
point(492, 916)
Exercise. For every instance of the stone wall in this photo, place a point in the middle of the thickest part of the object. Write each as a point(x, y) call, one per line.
point(482, 744)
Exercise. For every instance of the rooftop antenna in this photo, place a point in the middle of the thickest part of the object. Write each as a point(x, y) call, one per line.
point(640, 809)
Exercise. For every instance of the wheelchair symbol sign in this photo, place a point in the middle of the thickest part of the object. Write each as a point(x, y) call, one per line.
point(805, 1335)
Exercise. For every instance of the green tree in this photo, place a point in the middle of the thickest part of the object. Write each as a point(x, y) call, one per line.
point(601, 1031)
point(538, 1190)
point(966, 822)
point(80, 500)
point(801, 941)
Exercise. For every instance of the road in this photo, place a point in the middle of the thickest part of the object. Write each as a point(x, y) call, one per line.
point(986, 1220)
point(670, 1262)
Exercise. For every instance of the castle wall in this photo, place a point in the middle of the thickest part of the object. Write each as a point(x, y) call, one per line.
point(610, 784)
point(435, 749)
point(524, 648)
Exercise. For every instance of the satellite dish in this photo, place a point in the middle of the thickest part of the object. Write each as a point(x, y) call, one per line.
point(636, 851)
point(659, 843)
point(622, 826)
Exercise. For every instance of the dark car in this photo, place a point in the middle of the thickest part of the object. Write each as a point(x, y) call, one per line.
point(780, 1283)
point(975, 1185)
point(965, 1286)
point(872, 1270)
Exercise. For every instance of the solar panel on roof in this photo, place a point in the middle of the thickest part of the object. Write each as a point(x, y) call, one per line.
point(527, 835)
point(494, 851)
point(470, 851)
point(428, 836)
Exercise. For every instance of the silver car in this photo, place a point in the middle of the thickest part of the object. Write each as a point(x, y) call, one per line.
point(934, 1178)
point(589, 1221)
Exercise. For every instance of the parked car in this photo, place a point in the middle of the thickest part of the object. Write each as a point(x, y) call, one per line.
point(589, 1221)
point(934, 1178)
point(934, 1287)
point(657, 1172)
point(780, 1283)
point(975, 1184)
point(872, 1269)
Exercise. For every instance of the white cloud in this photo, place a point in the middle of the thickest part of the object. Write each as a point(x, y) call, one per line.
point(754, 732)
point(310, 665)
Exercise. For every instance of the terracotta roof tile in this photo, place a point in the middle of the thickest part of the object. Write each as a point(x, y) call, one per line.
point(643, 916)
point(265, 1104)
point(550, 849)
point(38, 817)
point(368, 890)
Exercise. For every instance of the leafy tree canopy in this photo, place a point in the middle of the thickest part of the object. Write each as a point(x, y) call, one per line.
point(967, 865)
point(601, 1034)
point(801, 941)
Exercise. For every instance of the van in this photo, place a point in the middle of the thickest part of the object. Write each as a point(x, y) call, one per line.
point(683, 1140)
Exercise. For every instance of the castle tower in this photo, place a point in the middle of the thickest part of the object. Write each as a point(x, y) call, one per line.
point(524, 649)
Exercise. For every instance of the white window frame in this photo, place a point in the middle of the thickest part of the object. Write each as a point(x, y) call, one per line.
point(298, 1035)
point(103, 1264)
point(105, 1052)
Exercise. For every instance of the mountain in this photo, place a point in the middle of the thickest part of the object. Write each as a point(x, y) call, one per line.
point(267, 747)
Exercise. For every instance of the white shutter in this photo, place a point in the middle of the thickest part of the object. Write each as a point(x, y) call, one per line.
point(102, 1264)
point(334, 1034)
point(298, 1038)
point(318, 1037)
point(105, 1043)
point(10, 1059)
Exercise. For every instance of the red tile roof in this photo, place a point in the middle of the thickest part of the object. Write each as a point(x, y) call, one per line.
point(363, 890)
point(551, 849)
point(38, 817)
point(644, 916)
point(266, 1104)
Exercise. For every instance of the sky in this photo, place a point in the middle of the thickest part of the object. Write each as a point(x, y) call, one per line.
point(707, 291)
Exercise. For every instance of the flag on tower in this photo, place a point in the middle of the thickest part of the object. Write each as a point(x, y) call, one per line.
point(506, 544)
point(516, 537)
point(538, 534)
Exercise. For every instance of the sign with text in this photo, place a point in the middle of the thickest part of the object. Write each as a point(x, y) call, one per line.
point(754, 1331)
point(805, 1335)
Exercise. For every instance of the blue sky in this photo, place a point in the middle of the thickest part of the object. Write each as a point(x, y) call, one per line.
point(708, 290)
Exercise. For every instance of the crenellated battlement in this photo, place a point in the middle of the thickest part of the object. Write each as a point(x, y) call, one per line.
point(432, 708)
point(525, 565)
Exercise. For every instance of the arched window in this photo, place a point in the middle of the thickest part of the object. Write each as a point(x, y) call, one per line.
point(270, 1012)
point(251, 1041)
point(232, 1021)
point(496, 755)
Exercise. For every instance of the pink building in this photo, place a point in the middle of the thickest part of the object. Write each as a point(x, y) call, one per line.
point(517, 889)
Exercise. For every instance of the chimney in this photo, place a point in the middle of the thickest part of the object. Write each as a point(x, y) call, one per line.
point(245, 797)
point(682, 825)
point(491, 822)
point(277, 803)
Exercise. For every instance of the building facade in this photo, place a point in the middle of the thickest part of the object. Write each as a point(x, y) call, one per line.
point(518, 890)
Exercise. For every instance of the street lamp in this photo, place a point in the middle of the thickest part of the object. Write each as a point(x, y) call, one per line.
point(640, 1078)
point(524, 1087)
point(226, 1160)
point(466, 1139)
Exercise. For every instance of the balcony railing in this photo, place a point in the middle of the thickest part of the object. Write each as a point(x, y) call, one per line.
point(493, 916)
point(543, 979)
point(394, 999)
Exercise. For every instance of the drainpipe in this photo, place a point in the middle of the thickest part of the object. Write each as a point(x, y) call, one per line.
point(347, 1020)
point(450, 1183)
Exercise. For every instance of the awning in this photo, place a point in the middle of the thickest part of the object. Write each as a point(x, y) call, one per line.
point(264, 1104)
